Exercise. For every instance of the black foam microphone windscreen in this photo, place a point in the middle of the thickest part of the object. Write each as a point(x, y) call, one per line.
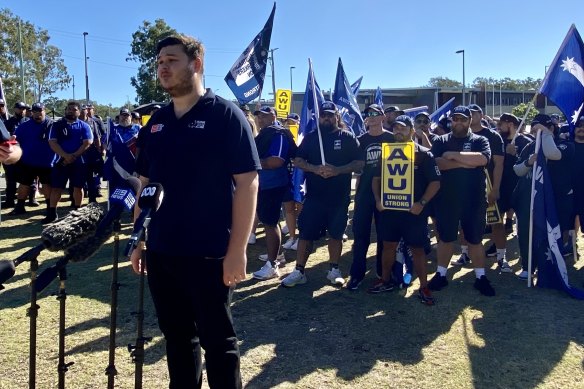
point(77, 224)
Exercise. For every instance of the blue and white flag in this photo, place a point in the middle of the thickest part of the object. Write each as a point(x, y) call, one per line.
point(379, 97)
point(2, 96)
point(309, 115)
point(564, 82)
point(344, 98)
point(246, 76)
point(547, 235)
point(412, 112)
point(443, 111)
point(356, 86)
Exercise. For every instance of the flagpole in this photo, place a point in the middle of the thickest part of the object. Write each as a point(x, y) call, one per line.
point(522, 123)
point(316, 108)
point(530, 249)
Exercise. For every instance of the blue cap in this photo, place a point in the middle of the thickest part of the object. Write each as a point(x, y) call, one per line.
point(20, 105)
point(461, 110)
point(404, 120)
point(293, 116)
point(267, 110)
point(38, 107)
point(542, 119)
point(329, 106)
point(374, 107)
point(124, 111)
point(475, 108)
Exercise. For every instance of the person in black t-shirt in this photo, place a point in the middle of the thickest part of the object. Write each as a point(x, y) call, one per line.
point(423, 135)
point(365, 210)
point(197, 239)
point(461, 156)
point(328, 189)
point(412, 225)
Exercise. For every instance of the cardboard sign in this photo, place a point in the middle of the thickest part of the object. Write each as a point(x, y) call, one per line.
point(493, 214)
point(397, 175)
point(283, 102)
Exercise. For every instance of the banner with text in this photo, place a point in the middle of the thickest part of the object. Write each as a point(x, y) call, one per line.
point(283, 103)
point(397, 175)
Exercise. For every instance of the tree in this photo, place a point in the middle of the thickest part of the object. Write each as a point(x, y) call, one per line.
point(520, 110)
point(443, 82)
point(507, 83)
point(144, 43)
point(44, 69)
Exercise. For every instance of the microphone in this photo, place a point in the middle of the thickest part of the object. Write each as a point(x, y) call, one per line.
point(77, 224)
point(149, 201)
point(8, 268)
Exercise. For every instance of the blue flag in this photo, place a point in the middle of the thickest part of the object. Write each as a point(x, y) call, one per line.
point(313, 98)
point(344, 98)
point(412, 112)
point(443, 111)
point(356, 86)
point(246, 76)
point(564, 82)
point(379, 97)
point(547, 235)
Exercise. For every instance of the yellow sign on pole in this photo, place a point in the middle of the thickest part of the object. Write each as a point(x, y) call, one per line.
point(493, 214)
point(283, 102)
point(397, 175)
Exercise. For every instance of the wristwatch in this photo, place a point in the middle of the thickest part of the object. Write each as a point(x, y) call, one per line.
point(423, 202)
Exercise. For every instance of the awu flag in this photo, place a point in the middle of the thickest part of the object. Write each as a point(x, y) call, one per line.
point(379, 97)
point(356, 86)
point(313, 98)
point(412, 112)
point(547, 236)
point(564, 81)
point(443, 111)
point(246, 76)
point(344, 98)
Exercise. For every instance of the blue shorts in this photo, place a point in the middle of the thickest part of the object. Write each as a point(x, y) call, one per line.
point(397, 225)
point(269, 205)
point(74, 172)
point(317, 215)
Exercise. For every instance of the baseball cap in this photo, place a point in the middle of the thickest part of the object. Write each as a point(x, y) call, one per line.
point(266, 110)
point(20, 105)
point(328, 106)
point(542, 119)
point(404, 120)
point(461, 110)
point(393, 108)
point(244, 108)
point(475, 108)
point(124, 111)
point(135, 115)
point(509, 118)
point(38, 107)
point(2, 102)
point(426, 114)
point(374, 107)
point(89, 106)
point(293, 116)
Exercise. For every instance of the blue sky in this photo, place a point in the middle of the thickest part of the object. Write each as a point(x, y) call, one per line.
point(391, 44)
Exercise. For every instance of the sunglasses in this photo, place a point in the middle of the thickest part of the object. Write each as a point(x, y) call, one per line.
point(422, 121)
point(372, 114)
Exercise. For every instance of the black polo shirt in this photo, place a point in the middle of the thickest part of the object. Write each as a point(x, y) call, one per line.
point(195, 158)
point(340, 148)
point(509, 178)
point(370, 146)
point(496, 145)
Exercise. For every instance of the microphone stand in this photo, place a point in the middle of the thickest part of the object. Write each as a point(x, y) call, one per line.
point(32, 312)
point(62, 296)
point(137, 350)
point(111, 370)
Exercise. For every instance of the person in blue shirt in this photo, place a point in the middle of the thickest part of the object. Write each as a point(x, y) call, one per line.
point(69, 138)
point(37, 157)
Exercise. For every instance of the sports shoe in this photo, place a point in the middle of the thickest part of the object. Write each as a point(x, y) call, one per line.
point(354, 283)
point(484, 286)
point(33, 203)
point(426, 296)
point(252, 239)
point(345, 237)
point(294, 278)
point(567, 251)
point(285, 229)
point(523, 275)
point(289, 243)
point(462, 260)
point(491, 251)
point(266, 272)
point(504, 266)
point(18, 210)
point(380, 286)
point(437, 282)
point(279, 258)
point(335, 277)
point(49, 219)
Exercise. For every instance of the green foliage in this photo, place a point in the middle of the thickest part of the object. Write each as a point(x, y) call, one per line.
point(520, 110)
point(144, 43)
point(507, 83)
point(443, 82)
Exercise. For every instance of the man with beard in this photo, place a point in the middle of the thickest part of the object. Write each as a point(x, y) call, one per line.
point(11, 124)
point(461, 157)
point(201, 150)
point(390, 114)
point(412, 225)
point(68, 138)
point(422, 125)
point(365, 210)
point(328, 189)
point(37, 158)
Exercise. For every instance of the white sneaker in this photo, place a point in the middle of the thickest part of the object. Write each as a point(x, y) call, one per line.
point(252, 239)
point(294, 278)
point(266, 272)
point(335, 277)
point(280, 258)
point(289, 243)
point(285, 229)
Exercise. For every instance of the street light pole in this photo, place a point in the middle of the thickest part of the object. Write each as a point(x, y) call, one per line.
point(463, 80)
point(273, 71)
point(291, 85)
point(86, 77)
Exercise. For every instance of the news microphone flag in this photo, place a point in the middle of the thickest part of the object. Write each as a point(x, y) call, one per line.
point(313, 98)
point(344, 98)
point(246, 76)
point(379, 97)
point(356, 86)
point(443, 111)
point(563, 84)
point(547, 235)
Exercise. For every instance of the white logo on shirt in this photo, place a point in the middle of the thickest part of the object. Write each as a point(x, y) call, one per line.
point(337, 144)
point(197, 124)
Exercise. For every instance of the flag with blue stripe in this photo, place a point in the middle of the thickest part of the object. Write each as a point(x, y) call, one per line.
point(356, 86)
point(547, 235)
point(343, 97)
point(443, 111)
point(412, 112)
point(379, 97)
point(246, 76)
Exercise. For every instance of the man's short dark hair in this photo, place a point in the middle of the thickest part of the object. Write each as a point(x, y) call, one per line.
point(73, 102)
point(192, 47)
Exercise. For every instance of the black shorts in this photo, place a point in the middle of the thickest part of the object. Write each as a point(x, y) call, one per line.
point(504, 202)
point(26, 174)
point(74, 172)
point(269, 205)
point(397, 225)
point(288, 195)
point(472, 217)
point(318, 214)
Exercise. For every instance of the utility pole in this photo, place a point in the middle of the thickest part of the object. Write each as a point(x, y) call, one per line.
point(463, 80)
point(86, 77)
point(23, 87)
point(273, 71)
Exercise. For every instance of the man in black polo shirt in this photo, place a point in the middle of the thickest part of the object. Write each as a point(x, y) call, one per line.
point(461, 156)
point(390, 114)
point(328, 187)
point(412, 225)
point(198, 237)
